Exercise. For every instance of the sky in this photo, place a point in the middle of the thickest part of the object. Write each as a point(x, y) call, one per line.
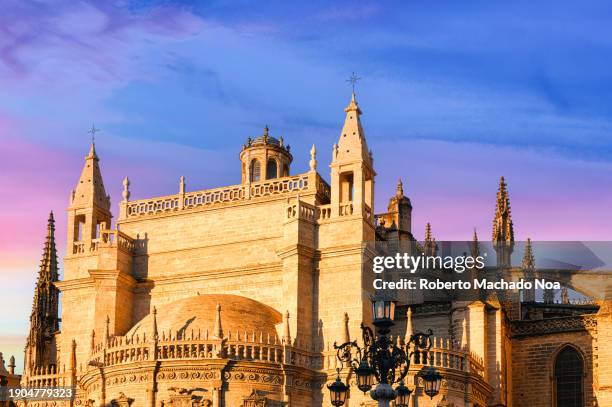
point(454, 96)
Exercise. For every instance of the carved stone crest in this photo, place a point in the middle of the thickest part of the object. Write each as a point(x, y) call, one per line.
point(255, 399)
point(122, 401)
point(182, 397)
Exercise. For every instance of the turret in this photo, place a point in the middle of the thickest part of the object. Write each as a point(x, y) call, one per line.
point(399, 212)
point(264, 158)
point(89, 209)
point(352, 171)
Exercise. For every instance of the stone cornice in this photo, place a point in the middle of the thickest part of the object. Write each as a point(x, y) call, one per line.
point(297, 249)
point(520, 329)
point(113, 275)
point(73, 284)
point(334, 251)
point(217, 273)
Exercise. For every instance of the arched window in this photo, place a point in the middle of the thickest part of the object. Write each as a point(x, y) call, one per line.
point(569, 372)
point(271, 169)
point(255, 171)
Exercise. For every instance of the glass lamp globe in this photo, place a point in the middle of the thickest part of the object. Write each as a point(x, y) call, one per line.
point(337, 392)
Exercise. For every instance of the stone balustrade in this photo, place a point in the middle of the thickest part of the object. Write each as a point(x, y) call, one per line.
point(308, 182)
point(253, 346)
point(443, 354)
point(49, 377)
point(108, 238)
point(305, 211)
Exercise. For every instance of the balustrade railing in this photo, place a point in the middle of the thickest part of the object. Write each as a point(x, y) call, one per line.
point(443, 354)
point(108, 238)
point(48, 377)
point(228, 194)
point(196, 346)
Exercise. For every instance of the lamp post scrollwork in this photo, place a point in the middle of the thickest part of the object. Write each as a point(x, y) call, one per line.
point(384, 362)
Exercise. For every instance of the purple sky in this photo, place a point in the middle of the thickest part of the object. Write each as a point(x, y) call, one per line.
point(452, 99)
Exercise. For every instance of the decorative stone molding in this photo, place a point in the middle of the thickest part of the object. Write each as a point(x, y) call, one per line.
point(554, 325)
point(122, 401)
point(182, 397)
point(255, 399)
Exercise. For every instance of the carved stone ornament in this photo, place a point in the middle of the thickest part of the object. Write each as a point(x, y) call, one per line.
point(181, 397)
point(444, 403)
point(122, 401)
point(255, 399)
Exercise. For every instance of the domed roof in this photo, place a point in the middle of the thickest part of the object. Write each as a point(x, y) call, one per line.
point(238, 314)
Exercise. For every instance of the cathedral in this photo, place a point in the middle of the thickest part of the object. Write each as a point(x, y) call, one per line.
point(235, 296)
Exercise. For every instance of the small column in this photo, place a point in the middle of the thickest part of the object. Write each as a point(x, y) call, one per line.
point(347, 336)
point(92, 344)
point(73, 372)
point(181, 199)
point(287, 340)
point(154, 336)
point(126, 198)
point(106, 337)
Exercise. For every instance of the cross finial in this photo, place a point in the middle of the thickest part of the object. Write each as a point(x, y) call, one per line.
point(93, 132)
point(353, 79)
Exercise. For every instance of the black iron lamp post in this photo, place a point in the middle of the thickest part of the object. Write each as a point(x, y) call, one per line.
point(383, 361)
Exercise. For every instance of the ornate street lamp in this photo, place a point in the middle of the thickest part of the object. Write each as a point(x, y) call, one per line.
point(431, 382)
point(383, 361)
point(337, 391)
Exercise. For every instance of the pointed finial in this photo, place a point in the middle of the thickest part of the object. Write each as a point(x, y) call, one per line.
point(218, 329)
point(11, 365)
point(400, 188)
point(409, 330)
point(313, 158)
point(106, 337)
point(154, 333)
point(347, 336)
point(528, 263)
point(475, 245)
point(431, 247)
point(182, 185)
point(287, 333)
point(92, 147)
point(126, 189)
point(92, 344)
point(73, 355)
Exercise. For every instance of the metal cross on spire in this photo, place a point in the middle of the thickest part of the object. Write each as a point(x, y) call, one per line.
point(353, 79)
point(93, 132)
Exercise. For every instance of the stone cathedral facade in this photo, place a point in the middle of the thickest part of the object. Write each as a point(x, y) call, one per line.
point(234, 297)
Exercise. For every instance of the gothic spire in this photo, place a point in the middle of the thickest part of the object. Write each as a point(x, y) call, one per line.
point(503, 229)
point(528, 263)
point(44, 318)
point(475, 245)
point(430, 245)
